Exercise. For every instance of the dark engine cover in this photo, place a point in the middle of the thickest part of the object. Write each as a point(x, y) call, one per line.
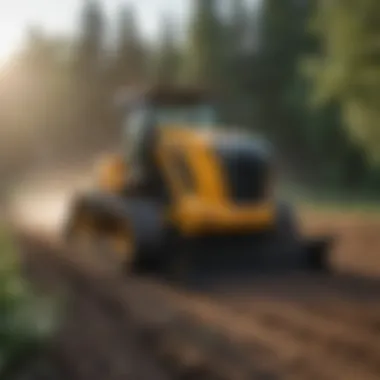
point(246, 164)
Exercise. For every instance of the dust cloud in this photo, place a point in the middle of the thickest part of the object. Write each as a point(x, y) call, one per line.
point(39, 202)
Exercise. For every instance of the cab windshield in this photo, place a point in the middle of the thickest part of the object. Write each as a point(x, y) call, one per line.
point(139, 123)
point(201, 115)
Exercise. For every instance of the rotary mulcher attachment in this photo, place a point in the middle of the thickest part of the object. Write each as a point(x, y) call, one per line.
point(279, 251)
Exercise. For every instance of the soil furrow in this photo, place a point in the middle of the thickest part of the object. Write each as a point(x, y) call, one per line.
point(123, 326)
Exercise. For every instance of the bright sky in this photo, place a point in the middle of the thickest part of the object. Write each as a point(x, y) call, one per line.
point(62, 15)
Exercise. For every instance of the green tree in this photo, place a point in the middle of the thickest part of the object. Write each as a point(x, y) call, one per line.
point(168, 58)
point(239, 23)
point(239, 58)
point(282, 42)
point(130, 64)
point(90, 47)
point(347, 68)
point(91, 90)
point(204, 63)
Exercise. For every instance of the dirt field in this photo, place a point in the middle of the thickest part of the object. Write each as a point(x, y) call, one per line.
point(357, 246)
point(303, 327)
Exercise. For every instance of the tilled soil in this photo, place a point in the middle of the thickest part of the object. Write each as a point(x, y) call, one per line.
point(299, 327)
point(97, 339)
point(357, 238)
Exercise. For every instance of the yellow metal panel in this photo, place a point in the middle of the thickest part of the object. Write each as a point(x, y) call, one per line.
point(111, 173)
point(195, 217)
point(207, 208)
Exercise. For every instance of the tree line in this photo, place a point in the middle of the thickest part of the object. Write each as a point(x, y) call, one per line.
point(302, 73)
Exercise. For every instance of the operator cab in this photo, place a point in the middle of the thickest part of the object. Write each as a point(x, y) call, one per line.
point(160, 107)
point(148, 111)
point(245, 160)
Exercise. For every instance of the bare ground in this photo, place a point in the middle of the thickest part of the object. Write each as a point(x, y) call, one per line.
point(303, 327)
point(357, 235)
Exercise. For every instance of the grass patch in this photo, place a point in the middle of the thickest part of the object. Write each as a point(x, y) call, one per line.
point(26, 320)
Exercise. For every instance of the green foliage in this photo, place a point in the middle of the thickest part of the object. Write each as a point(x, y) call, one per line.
point(283, 41)
point(168, 60)
point(314, 141)
point(253, 57)
point(238, 41)
point(204, 60)
point(347, 68)
point(91, 40)
point(130, 58)
point(26, 321)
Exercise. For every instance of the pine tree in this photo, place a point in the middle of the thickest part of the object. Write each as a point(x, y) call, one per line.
point(91, 40)
point(130, 60)
point(282, 43)
point(238, 63)
point(89, 99)
point(205, 54)
point(168, 55)
point(239, 27)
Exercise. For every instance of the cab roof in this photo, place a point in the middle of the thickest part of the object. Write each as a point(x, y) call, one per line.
point(172, 94)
